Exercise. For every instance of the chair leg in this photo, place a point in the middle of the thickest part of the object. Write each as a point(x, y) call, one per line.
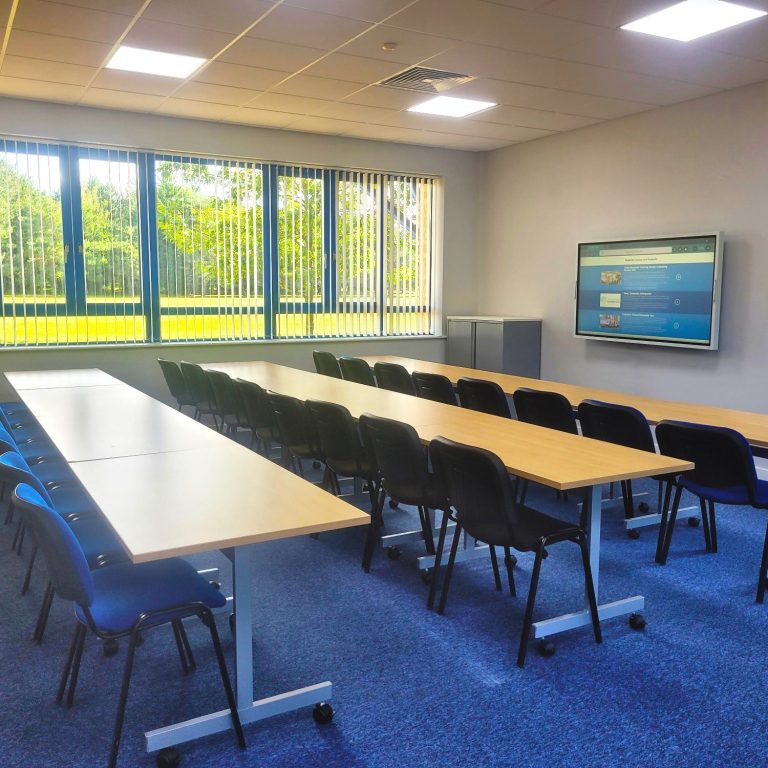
point(528, 620)
point(9, 512)
point(705, 525)
point(670, 527)
point(42, 616)
point(510, 571)
point(75, 670)
point(28, 574)
point(449, 568)
point(761, 579)
point(426, 529)
point(209, 620)
point(523, 491)
point(187, 647)
point(712, 526)
point(495, 566)
point(438, 558)
point(373, 529)
point(68, 665)
point(120, 717)
point(180, 647)
point(589, 586)
point(17, 534)
point(664, 520)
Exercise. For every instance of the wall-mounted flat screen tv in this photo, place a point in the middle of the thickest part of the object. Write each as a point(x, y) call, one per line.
point(662, 290)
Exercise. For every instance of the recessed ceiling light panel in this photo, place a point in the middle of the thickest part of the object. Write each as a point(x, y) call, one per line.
point(693, 18)
point(449, 106)
point(154, 62)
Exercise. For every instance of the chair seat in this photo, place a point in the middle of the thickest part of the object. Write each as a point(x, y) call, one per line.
point(304, 451)
point(52, 472)
point(70, 500)
point(98, 542)
point(352, 468)
point(737, 495)
point(122, 593)
point(530, 528)
point(429, 496)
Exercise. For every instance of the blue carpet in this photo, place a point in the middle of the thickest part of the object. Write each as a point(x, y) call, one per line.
point(412, 688)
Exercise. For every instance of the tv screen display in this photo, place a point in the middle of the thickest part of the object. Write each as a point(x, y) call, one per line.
point(663, 290)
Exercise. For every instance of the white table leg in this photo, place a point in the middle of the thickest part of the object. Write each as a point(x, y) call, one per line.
point(554, 626)
point(250, 711)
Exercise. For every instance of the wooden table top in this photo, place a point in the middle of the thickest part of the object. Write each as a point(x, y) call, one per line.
point(72, 377)
point(179, 503)
point(754, 426)
point(546, 456)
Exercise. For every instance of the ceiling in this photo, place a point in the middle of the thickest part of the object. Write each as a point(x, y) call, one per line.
point(313, 65)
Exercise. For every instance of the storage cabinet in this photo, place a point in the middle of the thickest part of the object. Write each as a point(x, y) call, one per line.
point(499, 344)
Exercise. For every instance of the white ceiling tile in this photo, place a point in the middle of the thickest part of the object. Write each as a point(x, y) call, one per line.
point(475, 143)
point(744, 40)
point(126, 7)
point(218, 94)
point(251, 52)
point(176, 38)
point(136, 102)
point(238, 76)
point(70, 21)
point(55, 48)
point(317, 87)
point(367, 10)
point(313, 124)
point(227, 16)
point(40, 89)
point(604, 13)
point(385, 97)
point(412, 47)
point(52, 71)
point(298, 105)
point(135, 82)
point(340, 66)
point(297, 26)
point(535, 118)
point(262, 117)
point(359, 113)
point(526, 5)
point(375, 132)
point(196, 109)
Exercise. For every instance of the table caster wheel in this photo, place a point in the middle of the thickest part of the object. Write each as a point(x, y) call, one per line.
point(168, 758)
point(643, 507)
point(110, 647)
point(637, 621)
point(393, 504)
point(693, 522)
point(232, 622)
point(323, 713)
point(545, 647)
point(633, 533)
point(426, 575)
point(393, 553)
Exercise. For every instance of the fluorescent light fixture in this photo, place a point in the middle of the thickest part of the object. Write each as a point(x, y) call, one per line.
point(693, 18)
point(154, 62)
point(449, 106)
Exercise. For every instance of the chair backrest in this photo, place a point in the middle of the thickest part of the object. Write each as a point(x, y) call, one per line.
point(357, 370)
point(292, 419)
point(478, 486)
point(336, 431)
point(545, 409)
point(394, 377)
point(619, 424)
point(174, 378)
point(225, 395)
point(258, 409)
point(14, 470)
point(67, 567)
point(398, 455)
point(722, 456)
point(7, 443)
point(198, 384)
point(482, 395)
point(327, 364)
point(434, 386)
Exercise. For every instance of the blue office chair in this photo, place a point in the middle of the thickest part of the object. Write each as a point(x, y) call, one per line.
point(724, 473)
point(122, 601)
point(49, 466)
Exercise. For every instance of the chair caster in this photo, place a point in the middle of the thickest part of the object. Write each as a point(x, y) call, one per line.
point(643, 507)
point(393, 553)
point(693, 522)
point(633, 533)
point(139, 640)
point(393, 504)
point(232, 622)
point(426, 575)
point(637, 621)
point(168, 758)
point(545, 647)
point(110, 647)
point(511, 561)
point(544, 555)
point(316, 465)
point(323, 713)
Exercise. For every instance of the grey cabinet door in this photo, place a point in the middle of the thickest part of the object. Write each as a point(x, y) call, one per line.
point(461, 343)
point(489, 346)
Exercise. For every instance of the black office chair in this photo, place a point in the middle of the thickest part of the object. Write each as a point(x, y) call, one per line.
point(724, 473)
point(481, 493)
point(356, 369)
point(227, 403)
point(434, 386)
point(341, 446)
point(622, 425)
point(200, 391)
point(482, 395)
point(296, 431)
point(394, 377)
point(259, 415)
point(401, 463)
point(177, 384)
point(327, 364)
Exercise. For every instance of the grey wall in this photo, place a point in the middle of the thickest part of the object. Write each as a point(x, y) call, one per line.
point(460, 173)
point(689, 168)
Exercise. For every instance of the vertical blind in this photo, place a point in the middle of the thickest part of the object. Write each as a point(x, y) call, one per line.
point(104, 245)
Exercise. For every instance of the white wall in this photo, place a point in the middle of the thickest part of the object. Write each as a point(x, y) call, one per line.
point(460, 172)
point(689, 168)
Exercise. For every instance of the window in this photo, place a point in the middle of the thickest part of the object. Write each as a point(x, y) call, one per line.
point(111, 246)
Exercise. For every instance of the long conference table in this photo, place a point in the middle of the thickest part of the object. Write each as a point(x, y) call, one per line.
point(556, 459)
point(169, 487)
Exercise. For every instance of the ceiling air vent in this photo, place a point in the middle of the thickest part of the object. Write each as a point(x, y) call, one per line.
point(426, 80)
